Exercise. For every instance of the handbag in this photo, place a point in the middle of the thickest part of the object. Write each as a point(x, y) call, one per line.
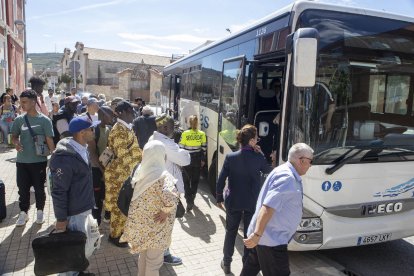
point(126, 193)
point(39, 140)
point(180, 210)
point(59, 252)
point(108, 155)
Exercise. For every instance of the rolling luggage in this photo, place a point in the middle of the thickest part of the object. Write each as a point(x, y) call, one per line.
point(3, 211)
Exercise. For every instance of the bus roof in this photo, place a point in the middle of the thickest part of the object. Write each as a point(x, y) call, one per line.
point(296, 7)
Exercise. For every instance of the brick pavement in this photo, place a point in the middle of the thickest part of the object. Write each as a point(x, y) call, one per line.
point(197, 239)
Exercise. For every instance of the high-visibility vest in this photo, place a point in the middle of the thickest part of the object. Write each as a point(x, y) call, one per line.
point(193, 141)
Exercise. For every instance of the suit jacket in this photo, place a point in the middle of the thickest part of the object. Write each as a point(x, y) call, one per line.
point(144, 126)
point(243, 169)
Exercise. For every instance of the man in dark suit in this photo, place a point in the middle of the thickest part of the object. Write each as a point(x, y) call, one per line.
point(243, 169)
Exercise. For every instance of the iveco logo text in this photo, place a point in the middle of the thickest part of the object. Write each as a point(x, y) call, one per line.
point(381, 209)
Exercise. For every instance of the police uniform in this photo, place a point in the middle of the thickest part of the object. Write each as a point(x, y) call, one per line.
point(195, 142)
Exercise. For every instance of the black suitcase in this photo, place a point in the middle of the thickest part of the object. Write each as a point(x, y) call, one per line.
point(60, 252)
point(3, 211)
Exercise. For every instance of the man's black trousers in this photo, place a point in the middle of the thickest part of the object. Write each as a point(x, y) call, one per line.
point(99, 193)
point(31, 174)
point(272, 261)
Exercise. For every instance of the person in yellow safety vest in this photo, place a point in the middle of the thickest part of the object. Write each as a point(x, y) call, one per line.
point(195, 142)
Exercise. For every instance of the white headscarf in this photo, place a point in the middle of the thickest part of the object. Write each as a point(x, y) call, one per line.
point(152, 168)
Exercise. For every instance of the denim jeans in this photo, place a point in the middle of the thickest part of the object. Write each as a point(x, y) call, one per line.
point(5, 129)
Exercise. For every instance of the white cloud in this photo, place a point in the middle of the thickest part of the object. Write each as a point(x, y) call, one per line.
point(138, 48)
point(162, 46)
point(201, 30)
point(108, 27)
point(170, 38)
point(82, 8)
point(46, 35)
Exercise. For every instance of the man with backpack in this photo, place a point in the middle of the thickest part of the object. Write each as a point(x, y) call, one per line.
point(62, 119)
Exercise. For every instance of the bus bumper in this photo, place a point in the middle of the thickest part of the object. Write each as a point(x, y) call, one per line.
point(346, 232)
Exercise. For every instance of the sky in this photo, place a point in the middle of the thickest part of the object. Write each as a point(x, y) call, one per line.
point(154, 26)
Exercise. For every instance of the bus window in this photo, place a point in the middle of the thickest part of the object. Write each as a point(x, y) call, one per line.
point(398, 88)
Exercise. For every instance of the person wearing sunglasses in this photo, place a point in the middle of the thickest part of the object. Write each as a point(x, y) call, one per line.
point(72, 190)
point(278, 213)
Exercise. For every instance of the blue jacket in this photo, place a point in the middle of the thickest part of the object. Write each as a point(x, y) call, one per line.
point(243, 169)
point(72, 188)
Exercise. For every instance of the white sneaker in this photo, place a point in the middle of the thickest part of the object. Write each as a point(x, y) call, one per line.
point(22, 219)
point(39, 218)
point(32, 190)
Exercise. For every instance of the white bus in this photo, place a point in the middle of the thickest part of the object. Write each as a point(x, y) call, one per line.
point(347, 79)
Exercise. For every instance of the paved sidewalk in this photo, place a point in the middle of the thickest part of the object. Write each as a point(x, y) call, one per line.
point(197, 239)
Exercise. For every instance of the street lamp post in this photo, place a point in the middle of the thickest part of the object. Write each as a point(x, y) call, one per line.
point(21, 25)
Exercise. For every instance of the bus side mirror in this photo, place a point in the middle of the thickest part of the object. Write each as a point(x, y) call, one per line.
point(305, 50)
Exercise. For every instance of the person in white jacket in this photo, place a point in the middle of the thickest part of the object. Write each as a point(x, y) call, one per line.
point(176, 158)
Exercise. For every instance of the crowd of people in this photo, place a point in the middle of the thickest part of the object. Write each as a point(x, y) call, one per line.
point(95, 145)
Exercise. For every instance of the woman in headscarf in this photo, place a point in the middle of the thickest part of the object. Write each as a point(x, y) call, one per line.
point(123, 142)
point(152, 211)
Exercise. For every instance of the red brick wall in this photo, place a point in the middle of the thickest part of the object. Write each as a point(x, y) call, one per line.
point(15, 51)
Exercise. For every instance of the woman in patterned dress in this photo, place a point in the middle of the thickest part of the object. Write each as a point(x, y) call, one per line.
point(152, 211)
point(124, 144)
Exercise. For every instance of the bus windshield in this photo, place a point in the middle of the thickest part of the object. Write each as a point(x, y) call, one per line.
point(361, 108)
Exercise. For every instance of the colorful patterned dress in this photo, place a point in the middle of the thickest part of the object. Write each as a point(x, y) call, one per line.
point(124, 144)
point(141, 231)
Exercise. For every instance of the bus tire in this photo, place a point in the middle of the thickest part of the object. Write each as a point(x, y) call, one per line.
point(212, 176)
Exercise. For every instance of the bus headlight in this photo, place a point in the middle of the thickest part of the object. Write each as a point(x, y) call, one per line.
point(310, 224)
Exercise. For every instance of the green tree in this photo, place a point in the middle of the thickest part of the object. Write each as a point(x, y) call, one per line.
point(66, 79)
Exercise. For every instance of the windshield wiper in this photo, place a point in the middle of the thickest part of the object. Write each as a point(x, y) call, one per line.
point(373, 150)
point(343, 159)
point(373, 153)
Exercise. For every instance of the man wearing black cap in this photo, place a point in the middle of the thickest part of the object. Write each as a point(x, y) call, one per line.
point(123, 142)
point(72, 189)
point(62, 119)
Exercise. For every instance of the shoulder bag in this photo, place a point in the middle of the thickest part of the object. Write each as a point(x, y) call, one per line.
point(108, 155)
point(125, 194)
point(39, 140)
point(180, 209)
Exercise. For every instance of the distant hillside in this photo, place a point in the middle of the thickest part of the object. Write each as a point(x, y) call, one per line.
point(41, 61)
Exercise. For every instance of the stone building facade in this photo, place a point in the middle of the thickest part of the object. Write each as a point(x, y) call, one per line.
point(114, 73)
point(12, 54)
